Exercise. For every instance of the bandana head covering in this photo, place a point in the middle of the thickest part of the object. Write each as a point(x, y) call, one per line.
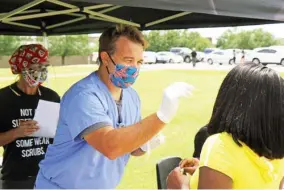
point(26, 55)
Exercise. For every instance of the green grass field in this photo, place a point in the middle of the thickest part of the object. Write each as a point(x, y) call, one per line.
point(193, 114)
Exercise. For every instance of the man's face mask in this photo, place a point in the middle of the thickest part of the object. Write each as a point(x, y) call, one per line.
point(35, 77)
point(124, 75)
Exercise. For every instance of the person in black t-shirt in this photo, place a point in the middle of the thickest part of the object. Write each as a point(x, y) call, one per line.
point(194, 57)
point(18, 102)
point(234, 56)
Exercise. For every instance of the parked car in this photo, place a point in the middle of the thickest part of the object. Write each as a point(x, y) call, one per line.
point(210, 50)
point(267, 55)
point(236, 50)
point(182, 51)
point(246, 54)
point(149, 57)
point(94, 56)
point(200, 56)
point(220, 57)
point(279, 47)
point(168, 57)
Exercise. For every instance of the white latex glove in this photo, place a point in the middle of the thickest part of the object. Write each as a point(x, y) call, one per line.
point(170, 102)
point(153, 143)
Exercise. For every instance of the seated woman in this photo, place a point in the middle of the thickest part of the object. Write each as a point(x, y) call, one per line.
point(246, 144)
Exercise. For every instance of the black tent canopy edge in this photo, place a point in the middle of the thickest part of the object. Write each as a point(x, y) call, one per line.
point(57, 17)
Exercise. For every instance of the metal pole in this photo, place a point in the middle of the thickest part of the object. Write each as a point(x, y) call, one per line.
point(45, 40)
point(45, 44)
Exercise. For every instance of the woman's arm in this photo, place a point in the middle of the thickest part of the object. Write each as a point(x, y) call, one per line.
point(208, 179)
point(281, 186)
point(213, 179)
point(137, 152)
point(176, 180)
point(25, 128)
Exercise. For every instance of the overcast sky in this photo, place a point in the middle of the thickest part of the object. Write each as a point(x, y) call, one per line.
point(276, 29)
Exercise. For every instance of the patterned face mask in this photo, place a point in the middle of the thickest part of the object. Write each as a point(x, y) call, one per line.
point(124, 76)
point(35, 77)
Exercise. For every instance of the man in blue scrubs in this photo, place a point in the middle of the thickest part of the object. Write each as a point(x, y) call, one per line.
point(100, 122)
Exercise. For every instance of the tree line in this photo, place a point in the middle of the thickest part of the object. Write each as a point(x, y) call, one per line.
point(158, 41)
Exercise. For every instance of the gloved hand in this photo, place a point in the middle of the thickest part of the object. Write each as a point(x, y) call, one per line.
point(170, 101)
point(153, 143)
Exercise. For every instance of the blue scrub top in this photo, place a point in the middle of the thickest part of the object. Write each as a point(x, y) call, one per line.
point(70, 162)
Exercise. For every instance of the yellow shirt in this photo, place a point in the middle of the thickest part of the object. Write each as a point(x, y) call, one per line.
point(241, 164)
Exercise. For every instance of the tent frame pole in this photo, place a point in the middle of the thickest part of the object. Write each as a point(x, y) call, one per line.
point(22, 25)
point(82, 17)
point(24, 12)
point(87, 10)
point(66, 22)
point(72, 10)
point(40, 15)
point(166, 19)
point(21, 9)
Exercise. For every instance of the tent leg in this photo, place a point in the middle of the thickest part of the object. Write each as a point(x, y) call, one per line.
point(45, 44)
point(45, 40)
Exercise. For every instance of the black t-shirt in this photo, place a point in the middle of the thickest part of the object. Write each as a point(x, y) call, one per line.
point(22, 156)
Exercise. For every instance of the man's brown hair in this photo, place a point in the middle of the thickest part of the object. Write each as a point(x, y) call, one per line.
point(110, 36)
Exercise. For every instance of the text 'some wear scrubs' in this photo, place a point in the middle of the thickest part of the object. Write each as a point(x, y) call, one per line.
point(71, 162)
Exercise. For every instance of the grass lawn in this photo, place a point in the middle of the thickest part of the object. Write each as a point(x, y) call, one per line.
point(193, 114)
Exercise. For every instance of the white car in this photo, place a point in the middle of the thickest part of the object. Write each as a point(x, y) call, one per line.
point(94, 56)
point(243, 56)
point(168, 57)
point(182, 51)
point(236, 50)
point(210, 50)
point(276, 46)
point(267, 55)
point(220, 57)
point(200, 56)
point(149, 57)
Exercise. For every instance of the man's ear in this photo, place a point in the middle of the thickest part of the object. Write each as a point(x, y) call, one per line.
point(104, 58)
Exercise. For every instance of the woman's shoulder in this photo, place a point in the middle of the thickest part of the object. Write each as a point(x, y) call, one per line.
point(5, 91)
point(220, 138)
point(49, 94)
point(220, 153)
point(221, 142)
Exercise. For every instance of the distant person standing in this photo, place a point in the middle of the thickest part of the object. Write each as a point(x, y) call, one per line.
point(243, 56)
point(234, 56)
point(194, 55)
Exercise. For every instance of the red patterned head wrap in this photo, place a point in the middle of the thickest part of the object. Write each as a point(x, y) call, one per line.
point(26, 55)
